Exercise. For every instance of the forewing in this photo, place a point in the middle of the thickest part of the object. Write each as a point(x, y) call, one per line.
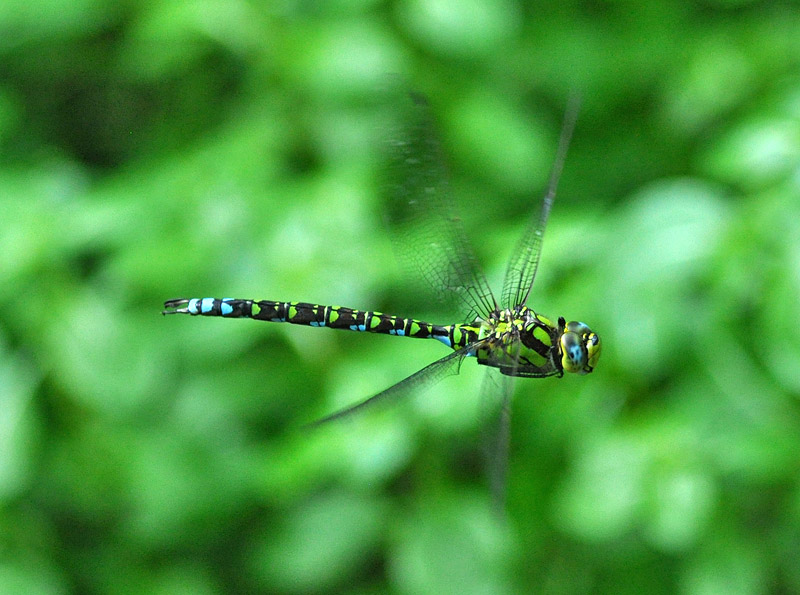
point(524, 261)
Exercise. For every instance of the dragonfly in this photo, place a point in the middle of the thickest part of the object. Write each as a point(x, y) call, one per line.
point(507, 334)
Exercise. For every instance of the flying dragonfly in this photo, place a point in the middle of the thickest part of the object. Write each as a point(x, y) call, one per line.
point(508, 335)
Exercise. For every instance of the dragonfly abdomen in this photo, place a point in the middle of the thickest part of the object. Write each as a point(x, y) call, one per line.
point(307, 314)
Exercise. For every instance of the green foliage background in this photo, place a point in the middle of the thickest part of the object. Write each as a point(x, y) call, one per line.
point(165, 149)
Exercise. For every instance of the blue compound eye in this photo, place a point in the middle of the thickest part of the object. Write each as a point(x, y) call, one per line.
point(573, 355)
point(593, 348)
point(580, 348)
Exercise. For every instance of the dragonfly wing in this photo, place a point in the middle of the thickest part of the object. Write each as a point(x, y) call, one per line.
point(496, 416)
point(521, 269)
point(428, 236)
point(431, 373)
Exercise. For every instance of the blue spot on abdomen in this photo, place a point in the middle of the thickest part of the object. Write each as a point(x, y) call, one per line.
point(443, 339)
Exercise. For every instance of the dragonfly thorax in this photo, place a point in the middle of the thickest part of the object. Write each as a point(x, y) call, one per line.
point(520, 342)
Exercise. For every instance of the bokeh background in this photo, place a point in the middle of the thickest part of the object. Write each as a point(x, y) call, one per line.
point(151, 150)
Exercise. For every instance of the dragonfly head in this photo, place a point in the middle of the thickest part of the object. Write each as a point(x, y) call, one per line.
point(580, 347)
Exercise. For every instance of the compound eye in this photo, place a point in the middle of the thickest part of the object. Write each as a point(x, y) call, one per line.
point(580, 348)
point(573, 353)
point(593, 348)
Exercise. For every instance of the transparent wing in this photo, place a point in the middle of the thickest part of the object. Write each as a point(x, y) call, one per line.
point(428, 236)
point(431, 373)
point(495, 402)
point(521, 269)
